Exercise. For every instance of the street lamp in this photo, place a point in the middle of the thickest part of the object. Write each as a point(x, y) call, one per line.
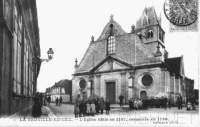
point(50, 54)
point(37, 60)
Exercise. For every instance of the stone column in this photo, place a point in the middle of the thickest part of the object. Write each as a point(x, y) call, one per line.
point(102, 88)
point(98, 85)
point(177, 86)
point(183, 92)
point(132, 78)
point(124, 86)
point(172, 84)
point(130, 88)
point(162, 80)
point(167, 82)
point(88, 88)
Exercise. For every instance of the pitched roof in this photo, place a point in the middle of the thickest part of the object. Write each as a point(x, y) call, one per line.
point(174, 65)
point(129, 49)
point(108, 58)
point(66, 84)
point(117, 29)
point(62, 83)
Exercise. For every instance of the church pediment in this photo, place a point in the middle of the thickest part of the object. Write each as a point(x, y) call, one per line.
point(111, 64)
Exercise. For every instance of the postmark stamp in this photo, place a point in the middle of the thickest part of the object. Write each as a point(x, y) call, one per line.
point(182, 14)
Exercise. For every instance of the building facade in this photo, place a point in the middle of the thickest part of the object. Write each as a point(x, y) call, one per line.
point(19, 54)
point(63, 89)
point(134, 64)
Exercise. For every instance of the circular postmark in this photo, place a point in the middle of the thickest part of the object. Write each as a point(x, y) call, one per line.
point(181, 12)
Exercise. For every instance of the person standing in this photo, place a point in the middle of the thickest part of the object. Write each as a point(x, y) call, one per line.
point(179, 102)
point(107, 106)
point(60, 100)
point(93, 111)
point(36, 110)
point(121, 98)
point(56, 101)
point(97, 105)
point(76, 106)
point(49, 100)
point(101, 105)
point(88, 106)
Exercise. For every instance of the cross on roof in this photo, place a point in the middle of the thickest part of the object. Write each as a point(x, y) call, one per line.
point(111, 17)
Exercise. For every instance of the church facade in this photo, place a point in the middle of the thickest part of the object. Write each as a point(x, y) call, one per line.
point(134, 64)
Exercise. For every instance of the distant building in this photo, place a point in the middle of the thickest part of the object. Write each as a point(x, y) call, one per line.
point(134, 64)
point(19, 53)
point(189, 85)
point(63, 89)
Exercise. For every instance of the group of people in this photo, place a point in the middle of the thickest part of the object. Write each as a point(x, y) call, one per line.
point(191, 102)
point(159, 102)
point(59, 101)
point(135, 103)
point(85, 107)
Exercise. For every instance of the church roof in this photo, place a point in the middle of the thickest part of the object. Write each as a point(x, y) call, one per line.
point(174, 65)
point(117, 29)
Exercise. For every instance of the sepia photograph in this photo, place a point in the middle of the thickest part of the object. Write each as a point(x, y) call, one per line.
point(99, 63)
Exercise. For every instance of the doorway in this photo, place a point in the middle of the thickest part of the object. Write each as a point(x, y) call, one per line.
point(111, 92)
point(143, 95)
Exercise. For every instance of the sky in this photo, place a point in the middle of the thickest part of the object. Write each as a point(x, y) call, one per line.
point(67, 27)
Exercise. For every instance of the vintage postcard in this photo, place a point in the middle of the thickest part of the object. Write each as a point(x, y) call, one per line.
point(129, 63)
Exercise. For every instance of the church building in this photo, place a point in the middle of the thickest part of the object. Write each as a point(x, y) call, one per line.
point(134, 64)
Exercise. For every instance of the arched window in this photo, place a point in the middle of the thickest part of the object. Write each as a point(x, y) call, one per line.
point(111, 45)
point(150, 34)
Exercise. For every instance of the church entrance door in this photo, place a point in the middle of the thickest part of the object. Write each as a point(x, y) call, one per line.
point(110, 92)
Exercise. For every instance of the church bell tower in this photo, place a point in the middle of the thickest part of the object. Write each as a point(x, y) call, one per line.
point(149, 30)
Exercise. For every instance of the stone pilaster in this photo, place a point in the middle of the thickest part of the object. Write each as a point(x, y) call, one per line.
point(130, 88)
point(167, 82)
point(98, 85)
point(88, 88)
point(162, 80)
point(172, 87)
point(177, 86)
point(124, 87)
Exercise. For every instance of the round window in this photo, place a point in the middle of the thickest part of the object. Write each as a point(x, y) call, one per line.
point(82, 84)
point(147, 80)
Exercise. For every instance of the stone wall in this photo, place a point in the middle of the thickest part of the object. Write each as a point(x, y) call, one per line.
point(12, 25)
point(155, 87)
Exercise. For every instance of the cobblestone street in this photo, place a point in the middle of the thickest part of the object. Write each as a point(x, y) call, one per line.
point(68, 109)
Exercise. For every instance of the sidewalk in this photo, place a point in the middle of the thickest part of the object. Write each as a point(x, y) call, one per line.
point(46, 112)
